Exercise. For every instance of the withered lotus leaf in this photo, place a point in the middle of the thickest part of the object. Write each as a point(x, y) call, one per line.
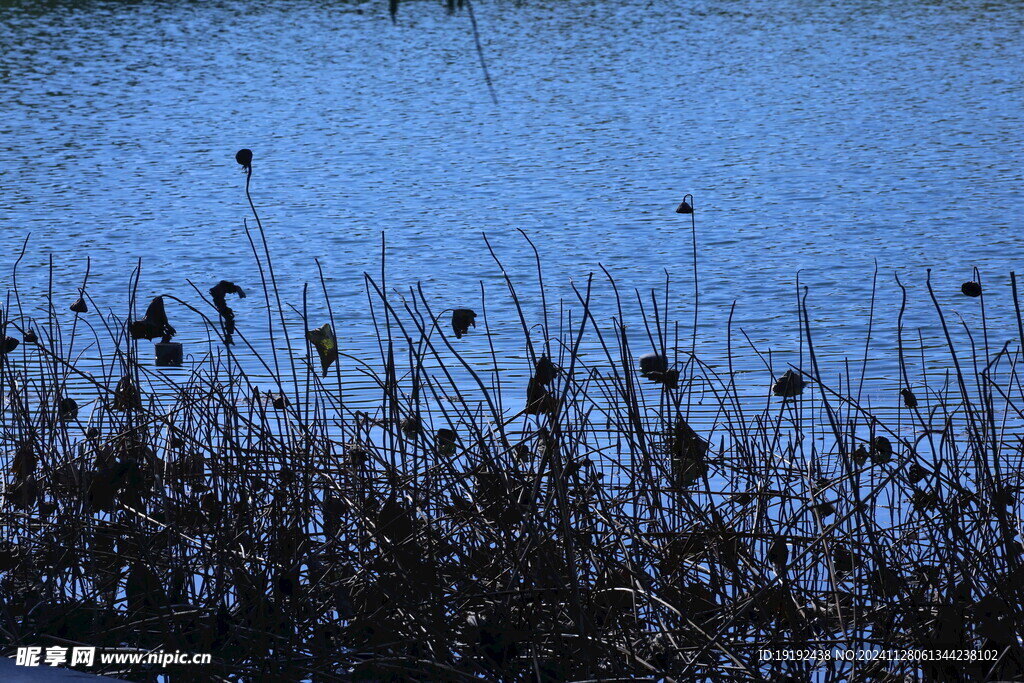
point(326, 345)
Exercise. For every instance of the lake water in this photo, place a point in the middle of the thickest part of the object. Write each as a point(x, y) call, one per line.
point(816, 137)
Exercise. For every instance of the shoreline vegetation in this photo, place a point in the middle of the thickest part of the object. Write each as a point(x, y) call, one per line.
point(593, 532)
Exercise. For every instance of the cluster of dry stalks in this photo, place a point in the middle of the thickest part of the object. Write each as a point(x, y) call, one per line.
point(595, 531)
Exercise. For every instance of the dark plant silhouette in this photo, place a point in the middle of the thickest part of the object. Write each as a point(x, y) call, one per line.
point(545, 372)
point(441, 526)
point(789, 385)
point(462, 319)
point(972, 289)
point(154, 324)
point(219, 293)
point(325, 344)
point(79, 305)
point(244, 158)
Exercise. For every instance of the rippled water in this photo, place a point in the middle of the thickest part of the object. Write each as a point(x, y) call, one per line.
point(819, 138)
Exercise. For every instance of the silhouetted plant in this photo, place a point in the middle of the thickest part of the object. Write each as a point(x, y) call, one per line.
point(598, 527)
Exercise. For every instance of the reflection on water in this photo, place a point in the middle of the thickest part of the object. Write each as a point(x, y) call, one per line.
point(816, 138)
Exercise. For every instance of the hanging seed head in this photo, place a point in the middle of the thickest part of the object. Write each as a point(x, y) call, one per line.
point(244, 157)
point(971, 289)
point(80, 306)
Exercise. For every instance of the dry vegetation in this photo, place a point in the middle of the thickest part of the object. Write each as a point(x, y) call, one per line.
point(595, 531)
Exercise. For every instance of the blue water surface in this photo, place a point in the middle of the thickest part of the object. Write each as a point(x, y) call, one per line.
point(817, 138)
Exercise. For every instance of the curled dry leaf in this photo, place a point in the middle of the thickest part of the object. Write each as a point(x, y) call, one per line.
point(326, 345)
point(789, 385)
point(462, 319)
point(545, 371)
point(909, 400)
point(154, 324)
point(219, 293)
